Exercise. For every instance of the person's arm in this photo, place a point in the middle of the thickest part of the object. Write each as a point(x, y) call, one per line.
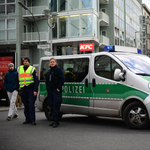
point(62, 79)
point(36, 81)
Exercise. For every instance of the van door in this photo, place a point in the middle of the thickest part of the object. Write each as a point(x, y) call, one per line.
point(76, 87)
point(106, 93)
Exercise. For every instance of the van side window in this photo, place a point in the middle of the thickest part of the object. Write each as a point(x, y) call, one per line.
point(75, 70)
point(105, 66)
point(44, 69)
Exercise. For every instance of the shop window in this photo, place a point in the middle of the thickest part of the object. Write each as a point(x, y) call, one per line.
point(63, 27)
point(86, 25)
point(62, 5)
point(74, 26)
point(86, 4)
point(53, 5)
point(105, 66)
point(73, 5)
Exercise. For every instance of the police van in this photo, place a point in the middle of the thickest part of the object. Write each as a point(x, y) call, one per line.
point(113, 83)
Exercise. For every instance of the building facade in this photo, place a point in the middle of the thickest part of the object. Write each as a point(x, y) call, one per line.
point(146, 13)
point(102, 22)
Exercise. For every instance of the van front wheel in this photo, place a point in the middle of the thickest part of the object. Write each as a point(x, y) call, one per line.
point(135, 116)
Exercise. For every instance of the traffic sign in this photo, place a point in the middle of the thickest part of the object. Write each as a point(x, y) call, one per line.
point(43, 46)
point(48, 53)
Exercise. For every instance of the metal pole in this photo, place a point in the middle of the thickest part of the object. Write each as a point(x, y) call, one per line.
point(51, 40)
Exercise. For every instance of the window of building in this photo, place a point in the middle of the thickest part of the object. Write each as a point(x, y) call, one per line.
point(7, 7)
point(63, 27)
point(95, 26)
point(105, 66)
point(86, 4)
point(103, 33)
point(7, 29)
point(53, 5)
point(73, 5)
point(96, 5)
point(74, 26)
point(62, 5)
point(86, 25)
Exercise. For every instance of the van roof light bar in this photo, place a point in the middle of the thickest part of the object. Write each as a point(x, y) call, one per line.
point(113, 48)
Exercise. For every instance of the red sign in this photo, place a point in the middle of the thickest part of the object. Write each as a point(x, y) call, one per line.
point(86, 47)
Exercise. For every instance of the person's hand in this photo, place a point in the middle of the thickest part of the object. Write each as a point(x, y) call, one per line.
point(35, 94)
point(58, 90)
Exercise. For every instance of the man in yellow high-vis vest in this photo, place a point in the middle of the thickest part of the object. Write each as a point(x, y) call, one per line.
point(28, 85)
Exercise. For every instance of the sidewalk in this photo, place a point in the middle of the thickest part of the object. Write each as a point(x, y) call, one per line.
point(6, 108)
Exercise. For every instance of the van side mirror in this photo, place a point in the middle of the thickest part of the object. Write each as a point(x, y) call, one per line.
point(118, 75)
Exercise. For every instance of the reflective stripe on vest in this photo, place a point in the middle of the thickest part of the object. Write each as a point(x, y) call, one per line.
point(25, 77)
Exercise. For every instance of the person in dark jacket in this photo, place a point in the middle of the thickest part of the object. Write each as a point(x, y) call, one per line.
point(54, 82)
point(27, 81)
point(10, 88)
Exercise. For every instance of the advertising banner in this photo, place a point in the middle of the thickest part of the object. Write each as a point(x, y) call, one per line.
point(86, 47)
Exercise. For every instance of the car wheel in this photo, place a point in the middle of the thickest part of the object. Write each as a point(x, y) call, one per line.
point(135, 116)
point(47, 111)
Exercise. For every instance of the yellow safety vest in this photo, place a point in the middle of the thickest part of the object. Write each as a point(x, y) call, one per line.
point(25, 77)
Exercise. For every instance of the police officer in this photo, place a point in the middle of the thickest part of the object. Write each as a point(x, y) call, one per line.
point(28, 84)
point(54, 82)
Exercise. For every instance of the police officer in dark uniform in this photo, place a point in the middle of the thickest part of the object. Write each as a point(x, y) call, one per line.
point(27, 81)
point(54, 82)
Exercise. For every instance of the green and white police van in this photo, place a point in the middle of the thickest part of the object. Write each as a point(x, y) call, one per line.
point(113, 83)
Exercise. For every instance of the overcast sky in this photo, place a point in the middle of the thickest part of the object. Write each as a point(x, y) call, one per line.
point(147, 2)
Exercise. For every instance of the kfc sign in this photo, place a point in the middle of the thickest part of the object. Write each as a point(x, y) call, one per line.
point(86, 47)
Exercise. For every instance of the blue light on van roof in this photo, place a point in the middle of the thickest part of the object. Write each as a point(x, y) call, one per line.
point(139, 51)
point(109, 48)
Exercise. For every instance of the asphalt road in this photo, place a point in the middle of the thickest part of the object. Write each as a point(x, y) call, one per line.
point(74, 133)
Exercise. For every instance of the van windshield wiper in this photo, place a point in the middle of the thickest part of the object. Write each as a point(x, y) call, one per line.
point(143, 74)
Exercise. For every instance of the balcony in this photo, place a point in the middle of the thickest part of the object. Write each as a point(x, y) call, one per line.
point(37, 12)
point(33, 38)
point(104, 1)
point(103, 41)
point(104, 19)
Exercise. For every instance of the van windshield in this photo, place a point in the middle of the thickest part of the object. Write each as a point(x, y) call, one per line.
point(139, 64)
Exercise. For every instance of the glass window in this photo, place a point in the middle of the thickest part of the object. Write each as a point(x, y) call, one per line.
point(11, 34)
point(86, 25)
point(95, 26)
point(54, 31)
point(53, 5)
point(2, 1)
point(105, 66)
point(139, 64)
point(11, 24)
point(74, 26)
point(2, 9)
point(86, 4)
point(96, 5)
point(10, 1)
point(2, 37)
point(2, 24)
point(63, 27)
point(75, 70)
point(73, 4)
point(11, 9)
point(62, 5)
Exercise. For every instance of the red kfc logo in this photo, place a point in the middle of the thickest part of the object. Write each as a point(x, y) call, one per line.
point(86, 47)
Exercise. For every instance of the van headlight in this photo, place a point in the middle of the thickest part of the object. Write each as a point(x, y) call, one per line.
point(149, 85)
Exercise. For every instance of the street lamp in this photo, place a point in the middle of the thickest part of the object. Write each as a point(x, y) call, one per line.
point(23, 6)
point(51, 24)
